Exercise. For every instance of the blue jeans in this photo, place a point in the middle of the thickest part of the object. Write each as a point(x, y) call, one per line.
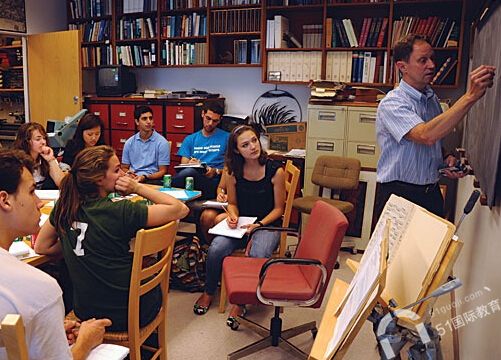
point(208, 186)
point(263, 244)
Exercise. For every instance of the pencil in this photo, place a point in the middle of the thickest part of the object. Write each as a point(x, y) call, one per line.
point(226, 211)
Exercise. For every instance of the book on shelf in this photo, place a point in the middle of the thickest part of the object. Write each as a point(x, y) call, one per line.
point(292, 41)
point(444, 71)
point(281, 28)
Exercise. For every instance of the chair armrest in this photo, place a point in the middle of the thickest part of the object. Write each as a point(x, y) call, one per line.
point(295, 261)
point(289, 231)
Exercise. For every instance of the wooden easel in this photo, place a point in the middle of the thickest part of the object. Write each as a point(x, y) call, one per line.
point(438, 271)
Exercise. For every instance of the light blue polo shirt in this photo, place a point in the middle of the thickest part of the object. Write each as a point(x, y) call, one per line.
point(145, 156)
point(402, 159)
point(207, 149)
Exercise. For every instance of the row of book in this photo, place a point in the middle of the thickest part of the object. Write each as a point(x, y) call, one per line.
point(293, 2)
point(94, 30)
point(295, 66)
point(136, 28)
point(218, 3)
point(184, 25)
point(183, 53)
point(136, 6)
point(184, 4)
point(278, 35)
point(342, 33)
point(137, 55)
point(440, 32)
point(247, 51)
point(93, 56)
point(236, 21)
point(445, 70)
point(81, 9)
point(356, 1)
point(356, 66)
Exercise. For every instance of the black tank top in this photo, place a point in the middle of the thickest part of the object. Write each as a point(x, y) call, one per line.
point(255, 198)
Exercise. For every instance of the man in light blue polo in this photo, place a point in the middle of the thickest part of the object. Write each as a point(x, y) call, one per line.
point(146, 155)
point(410, 125)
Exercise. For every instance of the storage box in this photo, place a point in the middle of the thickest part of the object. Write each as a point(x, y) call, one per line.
point(285, 137)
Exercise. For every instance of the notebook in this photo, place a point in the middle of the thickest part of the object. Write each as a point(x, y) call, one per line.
point(223, 229)
point(108, 352)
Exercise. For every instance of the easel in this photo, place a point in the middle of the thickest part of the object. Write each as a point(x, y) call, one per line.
point(440, 262)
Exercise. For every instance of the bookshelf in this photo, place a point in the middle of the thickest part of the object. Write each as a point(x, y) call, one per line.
point(292, 40)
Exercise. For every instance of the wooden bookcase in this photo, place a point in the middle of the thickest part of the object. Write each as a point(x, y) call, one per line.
point(179, 33)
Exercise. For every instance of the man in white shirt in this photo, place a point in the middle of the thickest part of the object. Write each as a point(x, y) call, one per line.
point(26, 290)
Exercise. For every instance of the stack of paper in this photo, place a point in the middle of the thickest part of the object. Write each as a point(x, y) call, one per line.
point(223, 229)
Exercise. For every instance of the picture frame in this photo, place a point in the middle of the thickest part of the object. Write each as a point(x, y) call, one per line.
point(274, 75)
point(13, 16)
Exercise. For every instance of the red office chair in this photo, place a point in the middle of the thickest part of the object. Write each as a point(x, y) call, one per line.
point(300, 281)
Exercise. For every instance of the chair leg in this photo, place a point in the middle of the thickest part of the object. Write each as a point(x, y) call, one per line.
point(258, 329)
point(290, 333)
point(287, 346)
point(222, 297)
point(250, 349)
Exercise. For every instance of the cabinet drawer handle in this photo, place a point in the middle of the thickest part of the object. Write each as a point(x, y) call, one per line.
point(367, 119)
point(122, 123)
point(97, 113)
point(327, 116)
point(122, 114)
point(179, 116)
point(179, 126)
point(325, 146)
point(366, 149)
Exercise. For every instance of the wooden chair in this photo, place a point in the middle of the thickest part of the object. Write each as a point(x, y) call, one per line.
point(291, 179)
point(12, 337)
point(159, 240)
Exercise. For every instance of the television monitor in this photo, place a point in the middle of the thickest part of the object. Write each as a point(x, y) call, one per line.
point(115, 80)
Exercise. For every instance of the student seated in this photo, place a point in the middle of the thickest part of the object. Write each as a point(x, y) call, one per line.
point(24, 289)
point(32, 139)
point(94, 233)
point(205, 146)
point(146, 155)
point(89, 132)
point(255, 187)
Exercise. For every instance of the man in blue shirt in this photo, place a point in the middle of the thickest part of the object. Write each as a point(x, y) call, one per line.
point(146, 155)
point(205, 146)
point(410, 125)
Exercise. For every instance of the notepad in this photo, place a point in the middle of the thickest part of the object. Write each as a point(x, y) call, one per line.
point(108, 352)
point(214, 204)
point(47, 194)
point(223, 229)
point(202, 167)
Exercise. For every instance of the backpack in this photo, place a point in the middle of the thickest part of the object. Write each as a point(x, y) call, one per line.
point(188, 265)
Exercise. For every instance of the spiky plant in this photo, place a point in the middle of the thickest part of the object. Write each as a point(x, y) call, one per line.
point(272, 114)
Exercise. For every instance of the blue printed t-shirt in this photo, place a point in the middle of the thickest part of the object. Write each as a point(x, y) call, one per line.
point(207, 149)
point(145, 156)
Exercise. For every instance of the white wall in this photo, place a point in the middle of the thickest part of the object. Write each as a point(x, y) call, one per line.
point(240, 86)
point(45, 16)
point(478, 266)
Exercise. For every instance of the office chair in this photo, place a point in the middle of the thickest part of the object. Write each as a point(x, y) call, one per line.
point(300, 281)
point(291, 180)
point(12, 337)
point(146, 275)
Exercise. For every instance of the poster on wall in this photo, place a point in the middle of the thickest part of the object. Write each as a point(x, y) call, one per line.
point(12, 16)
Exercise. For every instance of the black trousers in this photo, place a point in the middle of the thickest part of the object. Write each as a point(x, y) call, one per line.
point(427, 196)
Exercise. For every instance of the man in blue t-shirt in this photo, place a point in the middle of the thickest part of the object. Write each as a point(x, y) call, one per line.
point(205, 146)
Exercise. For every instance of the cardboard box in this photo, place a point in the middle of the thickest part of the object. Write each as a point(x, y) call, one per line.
point(285, 137)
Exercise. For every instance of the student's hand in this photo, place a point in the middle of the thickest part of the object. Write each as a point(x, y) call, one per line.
point(232, 222)
point(47, 153)
point(211, 172)
point(480, 79)
point(222, 197)
point(91, 332)
point(126, 185)
point(249, 227)
point(69, 327)
point(193, 160)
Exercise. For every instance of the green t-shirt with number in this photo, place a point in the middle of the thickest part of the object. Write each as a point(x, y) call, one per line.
point(97, 252)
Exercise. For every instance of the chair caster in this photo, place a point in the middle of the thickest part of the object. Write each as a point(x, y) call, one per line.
point(336, 265)
point(314, 332)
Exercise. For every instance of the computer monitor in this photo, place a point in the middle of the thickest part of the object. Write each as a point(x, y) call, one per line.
point(59, 132)
point(115, 80)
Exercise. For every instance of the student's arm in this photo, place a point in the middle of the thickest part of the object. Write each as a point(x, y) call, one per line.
point(55, 171)
point(166, 208)
point(231, 189)
point(430, 132)
point(162, 170)
point(47, 241)
point(221, 188)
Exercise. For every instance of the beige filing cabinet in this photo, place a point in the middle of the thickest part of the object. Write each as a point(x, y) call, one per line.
point(347, 129)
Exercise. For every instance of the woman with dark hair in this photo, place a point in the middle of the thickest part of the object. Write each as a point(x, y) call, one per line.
point(32, 139)
point(94, 233)
point(89, 132)
point(255, 186)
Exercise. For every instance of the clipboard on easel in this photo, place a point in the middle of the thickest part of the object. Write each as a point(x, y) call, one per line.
point(350, 305)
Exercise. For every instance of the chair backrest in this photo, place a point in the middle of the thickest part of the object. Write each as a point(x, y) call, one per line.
point(334, 172)
point(144, 277)
point(291, 180)
point(12, 337)
point(321, 241)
